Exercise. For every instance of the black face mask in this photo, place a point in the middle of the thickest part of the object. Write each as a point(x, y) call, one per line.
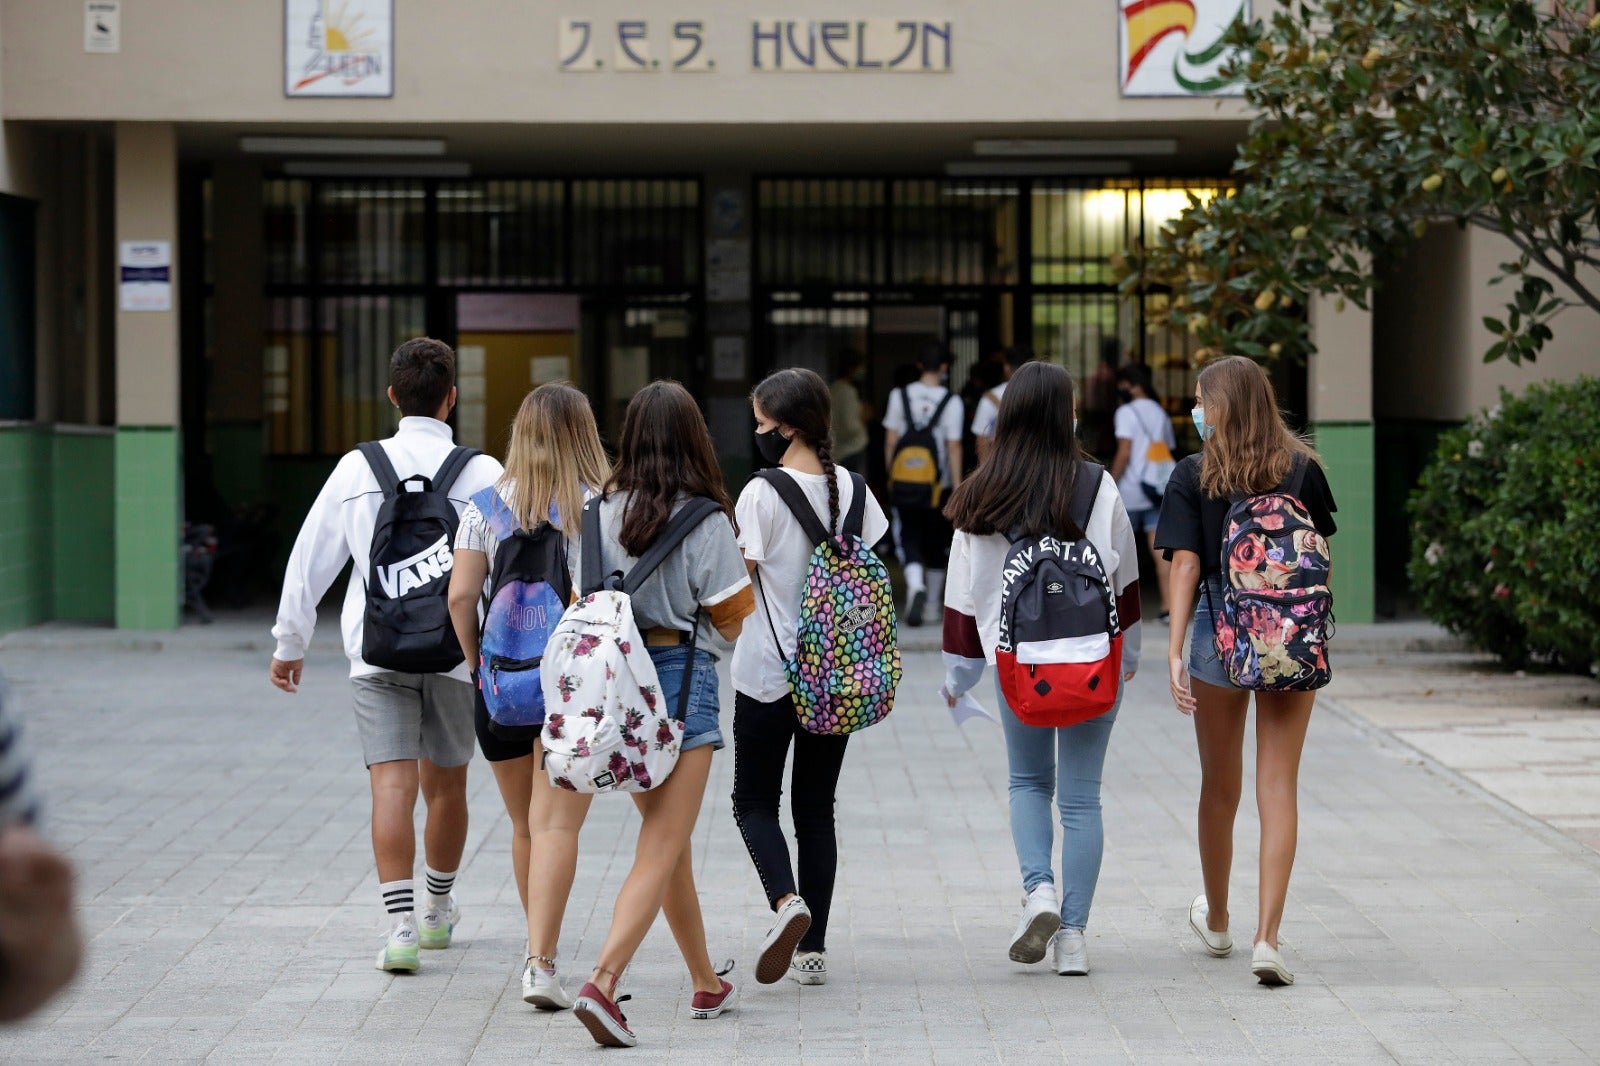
point(1125, 395)
point(772, 445)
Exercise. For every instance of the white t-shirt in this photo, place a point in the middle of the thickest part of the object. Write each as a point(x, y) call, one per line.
point(925, 400)
point(1141, 421)
point(983, 422)
point(770, 536)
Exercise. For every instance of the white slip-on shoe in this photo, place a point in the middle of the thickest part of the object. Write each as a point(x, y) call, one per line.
point(777, 950)
point(1040, 919)
point(1069, 952)
point(809, 968)
point(1218, 944)
point(1268, 966)
point(543, 988)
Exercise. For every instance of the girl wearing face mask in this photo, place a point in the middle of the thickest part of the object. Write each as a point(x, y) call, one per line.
point(1247, 451)
point(792, 411)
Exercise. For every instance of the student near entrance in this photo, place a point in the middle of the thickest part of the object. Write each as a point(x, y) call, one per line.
point(416, 727)
point(922, 446)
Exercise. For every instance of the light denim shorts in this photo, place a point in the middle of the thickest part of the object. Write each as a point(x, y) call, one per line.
point(702, 722)
point(1204, 663)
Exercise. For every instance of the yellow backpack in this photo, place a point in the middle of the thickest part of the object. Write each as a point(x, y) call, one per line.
point(915, 474)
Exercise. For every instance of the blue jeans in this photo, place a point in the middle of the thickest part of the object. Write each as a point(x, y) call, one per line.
point(1064, 764)
point(701, 723)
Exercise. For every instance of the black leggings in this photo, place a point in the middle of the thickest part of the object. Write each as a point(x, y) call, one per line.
point(761, 736)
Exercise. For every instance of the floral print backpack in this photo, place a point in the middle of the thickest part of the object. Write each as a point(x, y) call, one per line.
point(606, 724)
point(1277, 608)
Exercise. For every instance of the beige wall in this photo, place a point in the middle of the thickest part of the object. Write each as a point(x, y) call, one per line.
point(495, 60)
point(147, 210)
point(1431, 337)
point(1339, 384)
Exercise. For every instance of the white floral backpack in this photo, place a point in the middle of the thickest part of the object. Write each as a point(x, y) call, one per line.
point(606, 727)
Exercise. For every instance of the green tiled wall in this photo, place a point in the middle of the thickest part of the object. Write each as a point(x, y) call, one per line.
point(1347, 452)
point(148, 522)
point(25, 520)
point(82, 511)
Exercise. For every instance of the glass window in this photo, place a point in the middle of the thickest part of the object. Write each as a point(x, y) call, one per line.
point(502, 233)
point(643, 232)
point(372, 232)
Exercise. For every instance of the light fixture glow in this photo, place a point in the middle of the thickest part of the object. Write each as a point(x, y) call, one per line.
point(1063, 147)
point(975, 169)
point(406, 146)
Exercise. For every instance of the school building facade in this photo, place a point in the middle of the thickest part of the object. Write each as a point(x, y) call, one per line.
point(217, 220)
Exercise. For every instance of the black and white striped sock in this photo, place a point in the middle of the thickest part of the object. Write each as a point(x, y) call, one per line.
point(439, 885)
point(399, 896)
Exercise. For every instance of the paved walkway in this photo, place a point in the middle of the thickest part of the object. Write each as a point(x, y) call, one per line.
point(228, 891)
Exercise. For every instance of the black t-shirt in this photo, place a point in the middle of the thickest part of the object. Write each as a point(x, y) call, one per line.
point(1193, 521)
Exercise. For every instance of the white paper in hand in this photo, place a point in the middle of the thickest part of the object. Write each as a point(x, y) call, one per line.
point(967, 708)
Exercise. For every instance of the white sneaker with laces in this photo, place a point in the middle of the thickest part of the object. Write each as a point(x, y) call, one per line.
point(1040, 919)
point(1268, 966)
point(1220, 945)
point(542, 987)
point(1070, 952)
point(809, 968)
point(399, 954)
point(437, 923)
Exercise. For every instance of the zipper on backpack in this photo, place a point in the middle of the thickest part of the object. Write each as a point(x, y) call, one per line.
point(498, 663)
point(1299, 597)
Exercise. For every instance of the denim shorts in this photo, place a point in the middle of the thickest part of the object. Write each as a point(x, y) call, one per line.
point(1144, 519)
point(1204, 663)
point(702, 722)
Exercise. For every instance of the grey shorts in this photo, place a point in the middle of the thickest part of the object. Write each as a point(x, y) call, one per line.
point(414, 716)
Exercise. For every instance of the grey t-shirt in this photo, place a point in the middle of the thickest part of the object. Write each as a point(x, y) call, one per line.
point(705, 576)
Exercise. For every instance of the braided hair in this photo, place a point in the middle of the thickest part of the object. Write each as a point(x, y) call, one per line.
point(799, 399)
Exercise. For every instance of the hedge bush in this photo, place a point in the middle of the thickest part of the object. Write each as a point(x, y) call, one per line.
point(1505, 545)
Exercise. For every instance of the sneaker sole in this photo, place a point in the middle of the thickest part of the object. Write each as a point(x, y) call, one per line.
point(598, 1021)
point(1075, 970)
point(1215, 953)
point(404, 963)
point(775, 961)
point(1035, 940)
point(545, 1002)
point(801, 977)
point(705, 1015)
point(436, 942)
point(1272, 976)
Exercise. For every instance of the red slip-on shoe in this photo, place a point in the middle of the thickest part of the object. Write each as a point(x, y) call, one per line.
point(707, 1005)
point(604, 1020)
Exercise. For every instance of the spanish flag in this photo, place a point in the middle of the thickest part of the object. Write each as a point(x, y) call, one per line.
point(1148, 22)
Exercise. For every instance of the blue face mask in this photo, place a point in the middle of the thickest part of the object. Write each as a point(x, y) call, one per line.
point(1200, 426)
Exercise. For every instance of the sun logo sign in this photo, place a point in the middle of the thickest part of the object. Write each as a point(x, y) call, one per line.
point(1175, 47)
point(339, 48)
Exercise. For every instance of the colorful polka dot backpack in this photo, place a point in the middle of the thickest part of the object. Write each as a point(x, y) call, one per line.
point(847, 658)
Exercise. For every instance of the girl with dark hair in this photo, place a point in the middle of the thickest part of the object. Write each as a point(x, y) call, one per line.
point(699, 595)
point(1024, 489)
point(1247, 450)
point(793, 419)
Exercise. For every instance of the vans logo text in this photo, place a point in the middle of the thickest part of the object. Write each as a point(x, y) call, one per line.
point(428, 565)
point(857, 616)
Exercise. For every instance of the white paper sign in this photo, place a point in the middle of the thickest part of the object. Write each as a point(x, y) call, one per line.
point(146, 275)
point(102, 26)
point(338, 48)
point(1175, 47)
point(727, 359)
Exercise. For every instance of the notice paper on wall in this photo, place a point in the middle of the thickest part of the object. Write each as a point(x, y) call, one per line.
point(146, 275)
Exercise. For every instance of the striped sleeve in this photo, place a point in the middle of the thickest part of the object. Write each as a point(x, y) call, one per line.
point(963, 648)
point(18, 802)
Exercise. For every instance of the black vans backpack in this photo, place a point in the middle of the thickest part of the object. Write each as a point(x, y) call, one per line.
point(915, 478)
point(407, 623)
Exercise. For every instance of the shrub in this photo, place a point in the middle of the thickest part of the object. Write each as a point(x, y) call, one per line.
point(1505, 547)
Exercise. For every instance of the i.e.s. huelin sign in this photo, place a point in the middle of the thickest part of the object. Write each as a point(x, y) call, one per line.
point(772, 45)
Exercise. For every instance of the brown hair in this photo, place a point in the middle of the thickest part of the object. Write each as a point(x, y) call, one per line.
point(799, 398)
point(1249, 449)
point(555, 454)
point(1025, 484)
point(664, 453)
point(422, 371)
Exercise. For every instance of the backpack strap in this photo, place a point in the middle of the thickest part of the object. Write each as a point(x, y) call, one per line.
point(502, 522)
point(938, 411)
point(382, 468)
point(855, 519)
point(450, 470)
point(905, 405)
point(1295, 483)
point(799, 505)
point(1085, 488)
point(593, 577)
point(689, 516)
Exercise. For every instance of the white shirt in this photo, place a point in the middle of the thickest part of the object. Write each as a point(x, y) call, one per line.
point(925, 400)
point(972, 583)
point(988, 413)
point(1141, 421)
point(770, 536)
point(339, 528)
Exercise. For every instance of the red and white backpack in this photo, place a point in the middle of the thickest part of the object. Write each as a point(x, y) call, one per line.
point(1060, 648)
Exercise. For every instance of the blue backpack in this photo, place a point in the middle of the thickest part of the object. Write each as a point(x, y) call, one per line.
point(529, 589)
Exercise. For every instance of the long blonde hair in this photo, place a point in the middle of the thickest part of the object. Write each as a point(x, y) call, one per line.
point(1249, 449)
point(555, 454)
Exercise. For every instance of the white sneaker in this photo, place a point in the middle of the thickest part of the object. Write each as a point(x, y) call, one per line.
point(1040, 919)
point(1268, 966)
point(438, 923)
point(777, 950)
point(1070, 952)
point(809, 968)
point(399, 954)
point(1218, 944)
point(542, 988)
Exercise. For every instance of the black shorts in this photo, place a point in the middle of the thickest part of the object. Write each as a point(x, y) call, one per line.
point(925, 536)
point(495, 747)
